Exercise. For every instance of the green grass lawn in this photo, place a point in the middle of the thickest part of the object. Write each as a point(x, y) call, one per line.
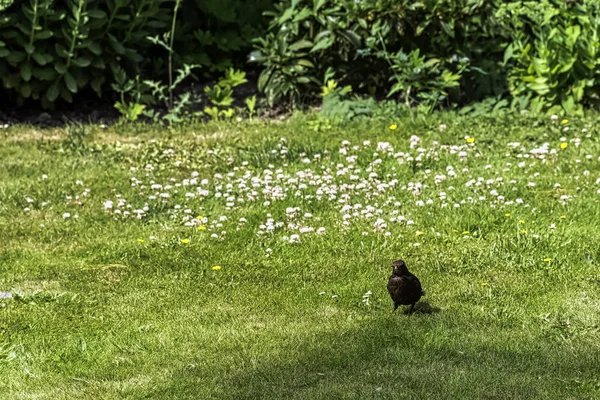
point(250, 261)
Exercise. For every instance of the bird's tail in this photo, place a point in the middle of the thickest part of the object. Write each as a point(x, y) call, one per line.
point(422, 293)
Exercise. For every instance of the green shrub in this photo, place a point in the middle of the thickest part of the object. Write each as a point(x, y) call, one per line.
point(5, 4)
point(554, 54)
point(51, 50)
point(540, 55)
point(217, 34)
point(369, 43)
point(305, 40)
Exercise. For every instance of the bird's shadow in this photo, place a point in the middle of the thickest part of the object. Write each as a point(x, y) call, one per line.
point(423, 307)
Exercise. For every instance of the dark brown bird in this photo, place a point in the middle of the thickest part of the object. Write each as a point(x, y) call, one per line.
point(403, 286)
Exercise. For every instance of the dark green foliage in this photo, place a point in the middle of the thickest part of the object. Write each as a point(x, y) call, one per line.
point(52, 50)
point(427, 47)
point(217, 34)
point(507, 55)
point(305, 41)
point(523, 54)
point(555, 54)
point(5, 4)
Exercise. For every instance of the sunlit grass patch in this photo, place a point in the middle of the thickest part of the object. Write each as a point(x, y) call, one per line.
point(250, 261)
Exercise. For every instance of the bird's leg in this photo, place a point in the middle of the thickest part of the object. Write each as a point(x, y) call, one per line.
point(412, 306)
point(395, 307)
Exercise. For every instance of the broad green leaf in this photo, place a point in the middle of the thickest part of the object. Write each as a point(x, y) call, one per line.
point(303, 14)
point(15, 57)
point(566, 65)
point(422, 26)
point(264, 78)
point(12, 81)
point(26, 72)
point(61, 68)
point(508, 53)
point(70, 82)
point(116, 45)
point(448, 28)
point(431, 62)
point(95, 48)
point(53, 92)
point(300, 44)
point(323, 44)
point(287, 14)
point(352, 37)
point(82, 61)
point(305, 63)
point(26, 90)
point(540, 88)
point(568, 104)
point(99, 14)
point(578, 91)
point(539, 65)
point(317, 4)
point(66, 94)
point(39, 58)
point(61, 50)
point(42, 35)
point(44, 74)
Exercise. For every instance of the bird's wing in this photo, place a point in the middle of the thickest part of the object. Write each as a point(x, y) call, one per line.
point(396, 284)
point(415, 282)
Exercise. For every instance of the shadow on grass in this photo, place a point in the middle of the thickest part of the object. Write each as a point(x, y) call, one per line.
point(422, 307)
point(399, 356)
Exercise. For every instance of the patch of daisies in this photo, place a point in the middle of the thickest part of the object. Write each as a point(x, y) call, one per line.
point(371, 188)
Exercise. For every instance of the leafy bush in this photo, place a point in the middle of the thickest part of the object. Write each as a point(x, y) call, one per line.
point(540, 55)
point(412, 73)
point(340, 105)
point(305, 39)
point(217, 34)
point(371, 42)
point(5, 4)
point(554, 54)
point(51, 50)
point(156, 100)
point(486, 54)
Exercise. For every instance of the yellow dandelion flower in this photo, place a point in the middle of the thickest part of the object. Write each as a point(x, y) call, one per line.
point(216, 268)
point(465, 232)
point(563, 216)
point(521, 221)
point(484, 283)
point(507, 215)
point(564, 121)
point(202, 228)
point(523, 231)
point(199, 217)
point(393, 127)
point(185, 241)
point(140, 240)
point(470, 140)
point(564, 145)
point(419, 233)
point(547, 259)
